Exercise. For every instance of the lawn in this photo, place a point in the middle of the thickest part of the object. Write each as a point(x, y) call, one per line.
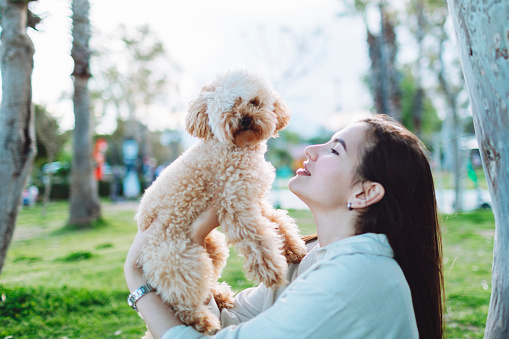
point(60, 283)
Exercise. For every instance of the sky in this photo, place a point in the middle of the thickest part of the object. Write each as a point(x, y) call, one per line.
point(205, 37)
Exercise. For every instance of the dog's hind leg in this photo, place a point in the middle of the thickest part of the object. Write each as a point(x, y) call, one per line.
point(217, 250)
point(181, 271)
point(294, 248)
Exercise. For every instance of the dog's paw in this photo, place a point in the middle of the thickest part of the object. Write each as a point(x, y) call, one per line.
point(295, 252)
point(206, 323)
point(223, 295)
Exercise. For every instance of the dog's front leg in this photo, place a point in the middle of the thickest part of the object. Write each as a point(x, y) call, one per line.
point(255, 238)
point(294, 248)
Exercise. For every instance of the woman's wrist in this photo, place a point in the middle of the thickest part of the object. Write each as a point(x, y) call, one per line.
point(133, 277)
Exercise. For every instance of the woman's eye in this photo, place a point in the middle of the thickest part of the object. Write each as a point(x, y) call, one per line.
point(334, 151)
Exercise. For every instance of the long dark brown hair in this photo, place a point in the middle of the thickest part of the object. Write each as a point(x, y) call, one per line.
point(407, 214)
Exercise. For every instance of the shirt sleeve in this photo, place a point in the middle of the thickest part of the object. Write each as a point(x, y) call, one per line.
point(252, 301)
point(332, 300)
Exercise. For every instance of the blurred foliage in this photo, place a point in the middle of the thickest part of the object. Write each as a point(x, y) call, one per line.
point(163, 153)
point(48, 137)
point(431, 123)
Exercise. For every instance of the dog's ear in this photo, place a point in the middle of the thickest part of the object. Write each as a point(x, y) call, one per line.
point(282, 114)
point(197, 120)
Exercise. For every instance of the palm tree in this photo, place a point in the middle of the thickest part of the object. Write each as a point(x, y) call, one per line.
point(84, 202)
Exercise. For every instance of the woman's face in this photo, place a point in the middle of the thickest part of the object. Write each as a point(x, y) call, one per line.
point(328, 175)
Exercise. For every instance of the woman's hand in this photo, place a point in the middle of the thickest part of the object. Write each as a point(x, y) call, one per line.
point(203, 225)
point(133, 273)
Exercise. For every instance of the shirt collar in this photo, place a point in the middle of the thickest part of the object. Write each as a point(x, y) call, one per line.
point(368, 243)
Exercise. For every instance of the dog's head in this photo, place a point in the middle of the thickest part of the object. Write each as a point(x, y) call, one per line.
point(240, 108)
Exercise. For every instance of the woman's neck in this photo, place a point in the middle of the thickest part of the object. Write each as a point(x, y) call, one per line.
point(333, 225)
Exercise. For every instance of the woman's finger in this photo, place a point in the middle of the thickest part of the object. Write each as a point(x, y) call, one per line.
point(203, 225)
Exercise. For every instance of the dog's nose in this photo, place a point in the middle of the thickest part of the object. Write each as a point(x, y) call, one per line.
point(245, 122)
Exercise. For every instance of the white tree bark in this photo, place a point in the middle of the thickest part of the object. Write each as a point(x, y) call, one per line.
point(17, 144)
point(84, 204)
point(482, 30)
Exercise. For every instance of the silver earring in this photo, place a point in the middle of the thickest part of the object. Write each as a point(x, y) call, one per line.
point(349, 206)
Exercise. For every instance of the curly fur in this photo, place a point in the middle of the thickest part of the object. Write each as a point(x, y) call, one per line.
point(234, 116)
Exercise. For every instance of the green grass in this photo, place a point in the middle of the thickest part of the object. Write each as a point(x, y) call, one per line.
point(60, 282)
point(468, 256)
point(445, 180)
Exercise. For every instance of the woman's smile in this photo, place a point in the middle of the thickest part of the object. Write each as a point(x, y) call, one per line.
point(303, 171)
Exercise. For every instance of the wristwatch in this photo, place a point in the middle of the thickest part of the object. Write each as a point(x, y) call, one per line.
point(137, 294)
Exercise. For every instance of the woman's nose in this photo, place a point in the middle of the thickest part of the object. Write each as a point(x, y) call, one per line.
point(310, 152)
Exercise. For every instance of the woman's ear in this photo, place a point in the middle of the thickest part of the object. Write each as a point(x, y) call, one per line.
point(366, 194)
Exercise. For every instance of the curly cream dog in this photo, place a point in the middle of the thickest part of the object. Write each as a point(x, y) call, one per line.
point(233, 117)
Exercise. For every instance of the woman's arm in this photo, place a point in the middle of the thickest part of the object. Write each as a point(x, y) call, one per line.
point(158, 317)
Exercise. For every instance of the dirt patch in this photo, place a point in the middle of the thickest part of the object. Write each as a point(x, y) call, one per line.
point(488, 233)
point(125, 205)
point(25, 233)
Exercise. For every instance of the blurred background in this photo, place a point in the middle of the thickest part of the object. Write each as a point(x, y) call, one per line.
point(333, 61)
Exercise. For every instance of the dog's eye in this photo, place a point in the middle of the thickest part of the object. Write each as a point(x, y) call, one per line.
point(255, 102)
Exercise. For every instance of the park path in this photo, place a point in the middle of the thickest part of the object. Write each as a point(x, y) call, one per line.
point(445, 200)
point(287, 200)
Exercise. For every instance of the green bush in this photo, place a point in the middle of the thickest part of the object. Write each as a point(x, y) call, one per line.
point(61, 191)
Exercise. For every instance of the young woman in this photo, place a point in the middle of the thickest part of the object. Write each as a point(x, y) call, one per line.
point(375, 270)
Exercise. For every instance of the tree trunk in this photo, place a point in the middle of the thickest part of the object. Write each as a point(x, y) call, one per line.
point(418, 99)
point(452, 126)
point(84, 205)
point(47, 186)
point(482, 31)
point(17, 144)
point(384, 79)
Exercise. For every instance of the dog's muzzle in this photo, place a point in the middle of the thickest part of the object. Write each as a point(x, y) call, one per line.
point(245, 122)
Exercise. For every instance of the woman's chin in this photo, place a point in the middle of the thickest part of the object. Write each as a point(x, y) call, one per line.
point(293, 186)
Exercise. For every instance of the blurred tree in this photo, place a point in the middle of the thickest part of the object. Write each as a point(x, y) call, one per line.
point(46, 130)
point(450, 87)
point(415, 14)
point(133, 78)
point(384, 77)
point(17, 142)
point(483, 38)
point(84, 201)
point(429, 122)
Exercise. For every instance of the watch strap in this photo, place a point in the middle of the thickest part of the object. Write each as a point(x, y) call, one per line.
point(137, 294)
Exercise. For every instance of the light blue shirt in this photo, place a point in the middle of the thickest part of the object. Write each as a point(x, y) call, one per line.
point(353, 289)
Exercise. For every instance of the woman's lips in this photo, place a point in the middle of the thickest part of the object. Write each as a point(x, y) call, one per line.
point(303, 171)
